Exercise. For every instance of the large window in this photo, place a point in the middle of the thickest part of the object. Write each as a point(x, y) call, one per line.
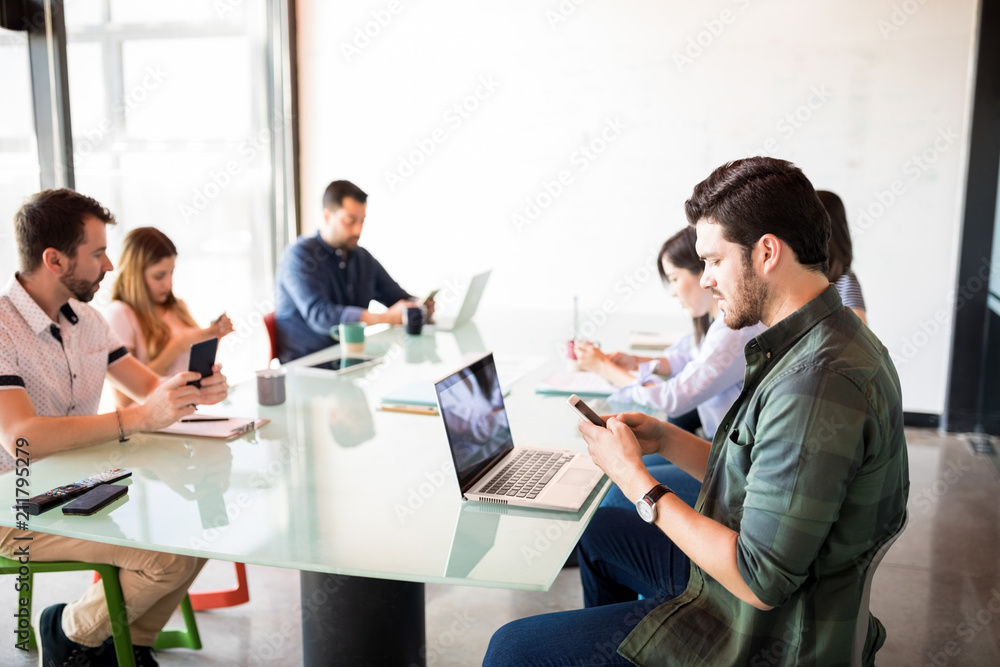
point(18, 152)
point(174, 118)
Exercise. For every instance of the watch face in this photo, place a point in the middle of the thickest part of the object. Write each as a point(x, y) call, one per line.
point(645, 510)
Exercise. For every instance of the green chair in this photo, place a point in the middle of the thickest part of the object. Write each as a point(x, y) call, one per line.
point(188, 638)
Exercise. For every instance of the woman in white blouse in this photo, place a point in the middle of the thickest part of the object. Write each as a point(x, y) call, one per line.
point(703, 371)
point(153, 324)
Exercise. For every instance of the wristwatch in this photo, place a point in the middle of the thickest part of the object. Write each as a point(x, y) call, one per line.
point(646, 506)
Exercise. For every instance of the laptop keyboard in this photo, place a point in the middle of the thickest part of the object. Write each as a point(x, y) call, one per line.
point(527, 474)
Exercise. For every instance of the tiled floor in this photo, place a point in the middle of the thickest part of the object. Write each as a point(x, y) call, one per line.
point(937, 591)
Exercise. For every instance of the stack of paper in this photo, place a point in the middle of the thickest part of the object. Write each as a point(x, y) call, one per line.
point(581, 383)
point(644, 340)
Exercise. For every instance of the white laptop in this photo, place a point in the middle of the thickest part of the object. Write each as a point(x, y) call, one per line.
point(469, 304)
point(488, 465)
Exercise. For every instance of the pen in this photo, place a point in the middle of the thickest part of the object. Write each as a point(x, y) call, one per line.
point(410, 409)
point(205, 419)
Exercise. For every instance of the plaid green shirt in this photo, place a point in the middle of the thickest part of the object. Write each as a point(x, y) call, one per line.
point(809, 466)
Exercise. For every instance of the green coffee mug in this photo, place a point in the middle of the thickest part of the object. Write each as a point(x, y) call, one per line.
point(352, 337)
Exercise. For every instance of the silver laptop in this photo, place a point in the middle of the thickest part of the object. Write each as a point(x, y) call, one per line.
point(489, 467)
point(469, 304)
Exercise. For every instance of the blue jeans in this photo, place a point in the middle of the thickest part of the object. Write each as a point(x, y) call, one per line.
point(684, 485)
point(621, 556)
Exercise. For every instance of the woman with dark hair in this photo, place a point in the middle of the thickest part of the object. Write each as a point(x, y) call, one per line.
point(841, 255)
point(153, 324)
point(704, 370)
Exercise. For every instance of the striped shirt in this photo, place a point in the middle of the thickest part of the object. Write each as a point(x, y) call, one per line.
point(809, 466)
point(850, 290)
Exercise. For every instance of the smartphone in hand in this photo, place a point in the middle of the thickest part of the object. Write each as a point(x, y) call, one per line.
point(202, 359)
point(584, 410)
point(430, 295)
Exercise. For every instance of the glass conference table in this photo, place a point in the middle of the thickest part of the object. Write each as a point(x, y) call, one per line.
point(364, 502)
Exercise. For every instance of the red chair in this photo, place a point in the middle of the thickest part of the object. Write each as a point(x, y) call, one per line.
point(226, 598)
point(272, 334)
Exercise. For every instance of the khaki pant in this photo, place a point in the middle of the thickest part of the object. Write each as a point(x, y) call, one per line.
point(153, 584)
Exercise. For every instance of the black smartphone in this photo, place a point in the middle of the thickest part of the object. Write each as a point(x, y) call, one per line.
point(584, 410)
point(202, 358)
point(95, 499)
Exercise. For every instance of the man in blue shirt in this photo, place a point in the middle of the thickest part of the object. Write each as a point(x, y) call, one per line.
point(327, 278)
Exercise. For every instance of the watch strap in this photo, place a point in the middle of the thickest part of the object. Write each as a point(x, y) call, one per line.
point(656, 493)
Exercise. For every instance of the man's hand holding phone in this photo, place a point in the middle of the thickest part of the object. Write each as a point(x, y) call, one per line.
point(584, 410)
point(211, 383)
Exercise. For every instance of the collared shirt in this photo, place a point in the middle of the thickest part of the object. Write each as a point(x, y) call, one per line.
point(60, 364)
point(809, 466)
point(318, 287)
point(708, 377)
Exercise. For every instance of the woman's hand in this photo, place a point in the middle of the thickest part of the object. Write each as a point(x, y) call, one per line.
point(589, 356)
point(626, 362)
point(222, 326)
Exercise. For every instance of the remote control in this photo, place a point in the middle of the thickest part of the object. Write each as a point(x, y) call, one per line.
point(57, 496)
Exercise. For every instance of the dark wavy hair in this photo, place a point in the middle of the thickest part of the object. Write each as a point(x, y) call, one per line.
point(761, 195)
point(841, 249)
point(53, 219)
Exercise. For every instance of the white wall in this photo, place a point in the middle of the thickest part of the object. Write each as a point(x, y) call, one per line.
point(884, 86)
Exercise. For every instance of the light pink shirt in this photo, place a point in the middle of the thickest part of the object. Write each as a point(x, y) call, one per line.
point(123, 322)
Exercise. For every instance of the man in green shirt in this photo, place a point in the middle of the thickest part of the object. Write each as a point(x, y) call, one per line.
point(806, 477)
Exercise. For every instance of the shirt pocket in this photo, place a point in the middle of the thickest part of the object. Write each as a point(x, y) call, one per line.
point(739, 447)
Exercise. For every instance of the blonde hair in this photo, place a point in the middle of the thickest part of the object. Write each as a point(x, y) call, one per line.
point(143, 247)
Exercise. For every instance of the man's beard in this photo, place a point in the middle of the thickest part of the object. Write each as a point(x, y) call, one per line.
point(746, 307)
point(83, 290)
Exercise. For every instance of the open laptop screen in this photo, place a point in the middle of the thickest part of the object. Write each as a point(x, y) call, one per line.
point(471, 404)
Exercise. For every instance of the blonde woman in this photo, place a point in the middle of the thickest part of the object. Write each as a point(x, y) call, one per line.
point(152, 323)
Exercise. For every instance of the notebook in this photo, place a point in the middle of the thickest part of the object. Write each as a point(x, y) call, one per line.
point(469, 304)
point(488, 465)
point(211, 426)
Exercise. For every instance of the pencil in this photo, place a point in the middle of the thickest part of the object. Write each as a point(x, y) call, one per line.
point(409, 409)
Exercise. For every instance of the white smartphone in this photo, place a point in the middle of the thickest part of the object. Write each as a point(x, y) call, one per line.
point(430, 296)
point(584, 410)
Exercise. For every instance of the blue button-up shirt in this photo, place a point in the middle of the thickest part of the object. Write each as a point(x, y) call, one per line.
point(319, 286)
